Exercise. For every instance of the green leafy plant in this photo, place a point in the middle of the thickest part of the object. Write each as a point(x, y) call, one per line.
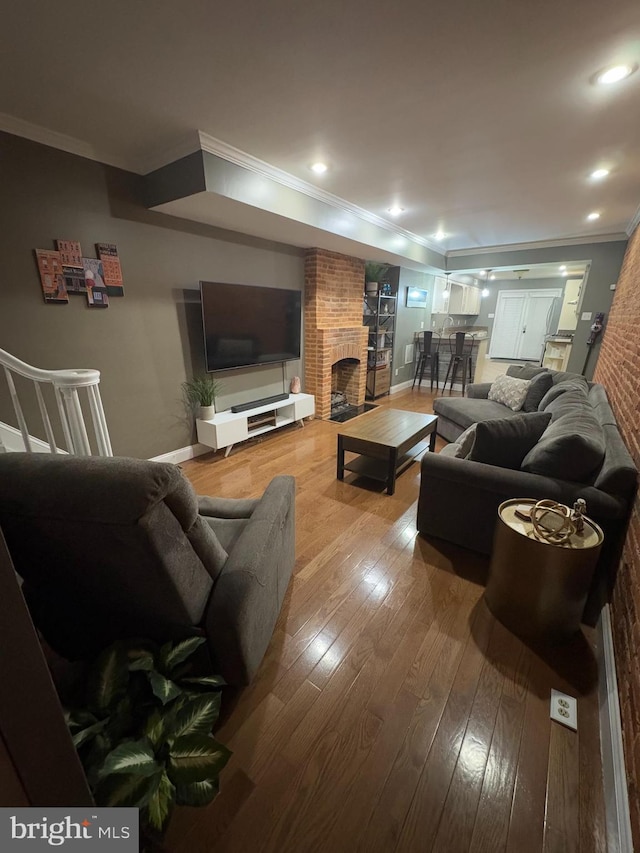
point(375, 272)
point(202, 390)
point(142, 727)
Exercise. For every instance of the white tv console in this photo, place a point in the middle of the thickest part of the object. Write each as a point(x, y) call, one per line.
point(228, 428)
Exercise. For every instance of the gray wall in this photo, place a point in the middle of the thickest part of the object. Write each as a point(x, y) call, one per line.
point(408, 321)
point(147, 343)
point(488, 304)
point(606, 260)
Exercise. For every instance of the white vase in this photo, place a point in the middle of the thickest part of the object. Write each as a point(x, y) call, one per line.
point(207, 412)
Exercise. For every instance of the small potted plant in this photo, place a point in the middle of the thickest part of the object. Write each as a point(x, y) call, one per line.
point(201, 392)
point(373, 274)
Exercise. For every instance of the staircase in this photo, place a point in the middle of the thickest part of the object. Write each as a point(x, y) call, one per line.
point(67, 391)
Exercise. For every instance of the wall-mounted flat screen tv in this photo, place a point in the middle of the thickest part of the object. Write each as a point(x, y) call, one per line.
point(246, 325)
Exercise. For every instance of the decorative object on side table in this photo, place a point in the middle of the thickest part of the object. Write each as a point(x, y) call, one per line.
point(201, 392)
point(295, 385)
point(141, 721)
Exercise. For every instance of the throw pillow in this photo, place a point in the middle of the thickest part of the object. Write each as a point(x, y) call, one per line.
point(538, 387)
point(572, 447)
point(505, 442)
point(461, 447)
point(509, 391)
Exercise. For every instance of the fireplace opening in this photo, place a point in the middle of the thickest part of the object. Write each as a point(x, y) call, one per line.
point(344, 391)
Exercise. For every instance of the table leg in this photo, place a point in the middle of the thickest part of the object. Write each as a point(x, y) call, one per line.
point(432, 442)
point(391, 476)
point(340, 471)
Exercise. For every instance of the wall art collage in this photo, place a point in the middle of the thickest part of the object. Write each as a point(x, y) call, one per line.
point(65, 270)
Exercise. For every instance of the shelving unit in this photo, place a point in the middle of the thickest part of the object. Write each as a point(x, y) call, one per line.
point(556, 353)
point(228, 428)
point(379, 316)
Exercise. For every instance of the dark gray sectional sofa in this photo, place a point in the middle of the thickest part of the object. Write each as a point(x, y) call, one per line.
point(580, 454)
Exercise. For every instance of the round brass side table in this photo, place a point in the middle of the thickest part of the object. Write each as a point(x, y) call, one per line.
point(538, 589)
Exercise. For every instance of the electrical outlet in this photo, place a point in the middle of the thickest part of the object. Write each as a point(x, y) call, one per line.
point(612, 287)
point(564, 709)
point(397, 371)
point(491, 316)
point(586, 315)
point(422, 325)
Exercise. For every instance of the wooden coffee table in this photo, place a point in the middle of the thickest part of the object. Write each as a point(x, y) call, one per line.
point(388, 441)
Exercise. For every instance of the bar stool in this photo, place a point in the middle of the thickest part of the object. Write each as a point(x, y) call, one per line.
point(428, 351)
point(461, 347)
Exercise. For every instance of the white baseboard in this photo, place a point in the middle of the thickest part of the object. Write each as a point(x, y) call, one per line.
point(619, 839)
point(401, 386)
point(182, 454)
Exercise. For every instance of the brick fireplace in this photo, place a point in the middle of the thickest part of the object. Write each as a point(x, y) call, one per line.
point(333, 330)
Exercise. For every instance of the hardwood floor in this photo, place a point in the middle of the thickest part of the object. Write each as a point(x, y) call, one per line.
point(391, 712)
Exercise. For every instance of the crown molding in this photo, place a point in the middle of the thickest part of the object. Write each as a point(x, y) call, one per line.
point(634, 222)
point(45, 136)
point(538, 244)
point(253, 164)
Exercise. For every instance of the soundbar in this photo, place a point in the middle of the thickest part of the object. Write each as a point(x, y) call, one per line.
point(244, 407)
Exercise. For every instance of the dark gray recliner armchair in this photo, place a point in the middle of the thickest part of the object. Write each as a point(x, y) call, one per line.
point(114, 548)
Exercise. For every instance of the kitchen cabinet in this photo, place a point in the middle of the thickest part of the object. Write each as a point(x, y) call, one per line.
point(440, 296)
point(471, 300)
point(454, 297)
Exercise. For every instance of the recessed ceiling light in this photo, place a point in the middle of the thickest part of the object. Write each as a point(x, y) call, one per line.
point(492, 277)
point(395, 210)
point(598, 174)
point(483, 273)
point(565, 274)
point(319, 168)
point(614, 74)
point(485, 291)
point(593, 216)
point(439, 235)
point(563, 267)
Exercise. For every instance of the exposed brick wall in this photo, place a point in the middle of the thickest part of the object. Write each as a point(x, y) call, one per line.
point(618, 369)
point(333, 329)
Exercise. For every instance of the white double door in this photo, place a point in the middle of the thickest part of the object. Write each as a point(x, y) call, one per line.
point(521, 323)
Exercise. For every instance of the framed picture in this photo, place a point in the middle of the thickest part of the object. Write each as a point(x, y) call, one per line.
point(51, 276)
point(417, 298)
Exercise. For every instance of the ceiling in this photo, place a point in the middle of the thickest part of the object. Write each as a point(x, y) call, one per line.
point(479, 119)
point(534, 272)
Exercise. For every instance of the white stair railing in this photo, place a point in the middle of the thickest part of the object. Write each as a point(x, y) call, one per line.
point(66, 384)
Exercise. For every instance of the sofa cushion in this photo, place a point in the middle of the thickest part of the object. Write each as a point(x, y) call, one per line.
point(618, 475)
point(562, 387)
point(573, 445)
point(600, 405)
point(509, 391)
point(565, 376)
point(465, 412)
point(525, 371)
point(505, 442)
point(571, 402)
point(226, 530)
